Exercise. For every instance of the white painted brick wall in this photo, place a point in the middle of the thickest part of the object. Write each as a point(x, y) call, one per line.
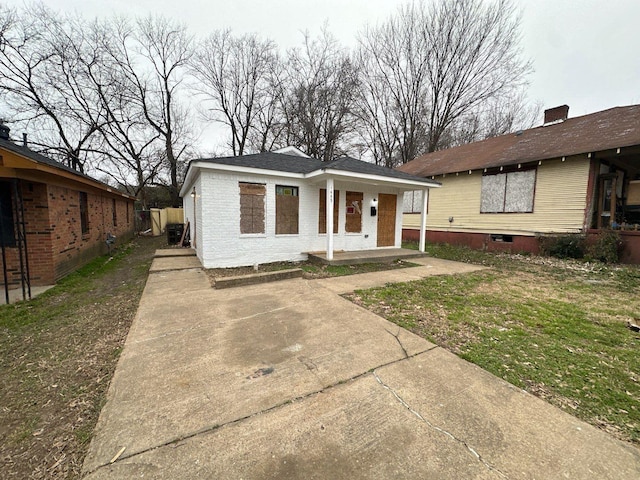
point(220, 244)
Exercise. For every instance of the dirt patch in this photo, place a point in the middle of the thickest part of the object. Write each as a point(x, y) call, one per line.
point(59, 352)
point(311, 270)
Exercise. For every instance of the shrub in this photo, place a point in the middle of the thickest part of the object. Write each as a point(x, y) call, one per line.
point(606, 248)
point(563, 246)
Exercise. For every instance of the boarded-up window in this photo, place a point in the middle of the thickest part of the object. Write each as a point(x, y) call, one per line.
point(511, 192)
point(84, 213)
point(322, 223)
point(252, 207)
point(286, 210)
point(115, 212)
point(412, 202)
point(354, 212)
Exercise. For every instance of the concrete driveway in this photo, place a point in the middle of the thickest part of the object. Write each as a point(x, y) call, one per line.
point(288, 380)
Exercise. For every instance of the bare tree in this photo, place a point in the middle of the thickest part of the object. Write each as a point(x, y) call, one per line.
point(431, 65)
point(474, 57)
point(235, 75)
point(128, 151)
point(153, 55)
point(43, 74)
point(495, 117)
point(393, 60)
point(318, 94)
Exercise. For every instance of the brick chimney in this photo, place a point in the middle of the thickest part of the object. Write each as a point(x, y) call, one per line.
point(556, 114)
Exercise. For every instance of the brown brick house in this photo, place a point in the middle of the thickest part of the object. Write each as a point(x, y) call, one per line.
point(53, 219)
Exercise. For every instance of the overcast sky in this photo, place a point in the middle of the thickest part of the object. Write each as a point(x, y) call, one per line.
point(585, 53)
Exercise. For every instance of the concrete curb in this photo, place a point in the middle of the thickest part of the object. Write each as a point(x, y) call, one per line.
point(255, 278)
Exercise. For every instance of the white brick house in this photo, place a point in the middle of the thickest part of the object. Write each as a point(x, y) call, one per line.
point(272, 206)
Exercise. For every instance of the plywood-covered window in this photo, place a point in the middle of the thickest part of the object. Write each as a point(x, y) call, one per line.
point(84, 212)
point(511, 192)
point(252, 210)
point(322, 222)
point(412, 202)
point(287, 208)
point(353, 206)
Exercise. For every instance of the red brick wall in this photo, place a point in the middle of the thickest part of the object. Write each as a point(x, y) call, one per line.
point(56, 245)
point(70, 247)
point(481, 241)
point(477, 241)
point(39, 232)
point(631, 249)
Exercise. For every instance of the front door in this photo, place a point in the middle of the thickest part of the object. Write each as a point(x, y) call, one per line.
point(386, 220)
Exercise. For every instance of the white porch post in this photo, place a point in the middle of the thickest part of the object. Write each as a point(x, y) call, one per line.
point(423, 220)
point(329, 216)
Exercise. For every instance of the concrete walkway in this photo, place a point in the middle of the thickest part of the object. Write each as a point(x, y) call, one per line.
point(288, 380)
point(15, 294)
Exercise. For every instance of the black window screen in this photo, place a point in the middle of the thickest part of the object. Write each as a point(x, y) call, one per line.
point(7, 234)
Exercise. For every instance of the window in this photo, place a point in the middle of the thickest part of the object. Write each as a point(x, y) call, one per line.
point(353, 212)
point(252, 207)
point(412, 202)
point(7, 233)
point(84, 213)
point(510, 192)
point(115, 214)
point(286, 210)
point(322, 222)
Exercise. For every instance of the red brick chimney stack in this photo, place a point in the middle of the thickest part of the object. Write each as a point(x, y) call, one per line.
point(556, 114)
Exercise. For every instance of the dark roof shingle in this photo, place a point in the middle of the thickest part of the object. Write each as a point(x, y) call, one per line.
point(295, 164)
point(349, 164)
point(39, 158)
point(269, 161)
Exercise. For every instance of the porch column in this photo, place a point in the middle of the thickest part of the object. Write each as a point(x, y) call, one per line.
point(329, 215)
point(423, 219)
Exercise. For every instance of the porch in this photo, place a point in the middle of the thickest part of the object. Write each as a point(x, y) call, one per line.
point(380, 255)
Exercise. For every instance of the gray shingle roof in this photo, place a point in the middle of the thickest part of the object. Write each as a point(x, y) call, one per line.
point(30, 154)
point(295, 164)
point(269, 161)
point(349, 164)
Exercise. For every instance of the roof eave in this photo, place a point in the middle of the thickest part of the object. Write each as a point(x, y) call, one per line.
point(373, 179)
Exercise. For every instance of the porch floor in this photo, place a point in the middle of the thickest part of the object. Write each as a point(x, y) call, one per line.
point(379, 255)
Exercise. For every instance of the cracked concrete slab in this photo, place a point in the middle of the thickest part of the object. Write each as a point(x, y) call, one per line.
point(206, 357)
point(514, 432)
point(160, 264)
point(355, 430)
point(429, 267)
point(289, 380)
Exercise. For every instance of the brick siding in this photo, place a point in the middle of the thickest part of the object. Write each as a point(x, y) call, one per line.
point(55, 243)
